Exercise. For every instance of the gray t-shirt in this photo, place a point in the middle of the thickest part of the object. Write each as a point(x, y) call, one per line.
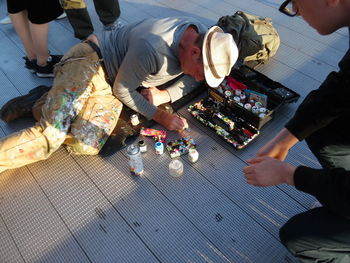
point(146, 54)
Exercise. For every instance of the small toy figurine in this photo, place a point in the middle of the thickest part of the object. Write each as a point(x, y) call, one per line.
point(158, 135)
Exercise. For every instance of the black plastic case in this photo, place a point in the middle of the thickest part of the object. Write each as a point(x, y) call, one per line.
point(232, 122)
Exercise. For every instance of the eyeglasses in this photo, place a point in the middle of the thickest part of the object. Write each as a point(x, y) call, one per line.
point(287, 8)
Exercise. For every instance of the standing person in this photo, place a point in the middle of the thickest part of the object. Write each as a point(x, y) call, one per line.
point(321, 234)
point(82, 109)
point(7, 20)
point(107, 10)
point(31, 25)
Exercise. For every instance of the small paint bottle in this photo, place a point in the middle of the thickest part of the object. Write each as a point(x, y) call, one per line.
point(237, 99)
point(255, 109)
point(262, 110)
point(258, 104)
point(228, 93)
point(159, 147)
point(262, 115)
point(176, 168)
point(134, 120)
point(193, 155)
point(143, 146)
point(242, 97)
point(248, 106)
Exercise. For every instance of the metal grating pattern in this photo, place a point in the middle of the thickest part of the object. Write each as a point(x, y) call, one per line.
point(225, 172)
point(91, 219)
point(167, 232)
point(208, 207)
point(30, 218)
point(8, 250)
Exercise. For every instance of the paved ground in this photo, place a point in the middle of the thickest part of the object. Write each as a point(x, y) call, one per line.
point(89, 209)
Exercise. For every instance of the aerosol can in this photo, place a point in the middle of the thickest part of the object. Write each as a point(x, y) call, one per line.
point(135, 160)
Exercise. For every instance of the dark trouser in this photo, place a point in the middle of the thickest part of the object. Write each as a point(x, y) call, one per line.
point(78, 16)
point(319, 235)
point(331, 145)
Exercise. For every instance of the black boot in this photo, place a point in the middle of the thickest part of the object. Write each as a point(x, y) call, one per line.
point(22, 106)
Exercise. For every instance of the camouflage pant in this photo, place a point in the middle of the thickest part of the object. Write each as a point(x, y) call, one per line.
point(80, 111)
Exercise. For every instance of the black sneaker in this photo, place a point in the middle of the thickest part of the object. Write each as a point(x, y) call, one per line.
point(47, 71)
point(30, 64)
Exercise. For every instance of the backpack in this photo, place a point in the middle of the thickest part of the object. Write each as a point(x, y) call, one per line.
point(256, 38)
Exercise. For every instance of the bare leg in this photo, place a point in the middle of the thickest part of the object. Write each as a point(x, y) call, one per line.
point(39, 34)
point(21, 25)
point(33, 37)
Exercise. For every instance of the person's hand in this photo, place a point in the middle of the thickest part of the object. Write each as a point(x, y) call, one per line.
point(155, 95)
point(279, 146)
point(171, 122)
point(267, 171)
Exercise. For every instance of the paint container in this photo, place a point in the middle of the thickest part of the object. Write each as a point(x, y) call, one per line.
point(193, 155)
point(228, 93)
point(237, 99)
point(262, 115)
point(242, 97)
point(176, 168)
point(238, 92)
point(248, 106)
point(262, 110)
point(143, 146)
point(255, 109)
point(258, 104)
point(159, 147)
point(135, 160)
point(134, 120)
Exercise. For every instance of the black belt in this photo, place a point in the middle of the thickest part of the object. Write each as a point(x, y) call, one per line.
point(95, 48)
point(98, 51)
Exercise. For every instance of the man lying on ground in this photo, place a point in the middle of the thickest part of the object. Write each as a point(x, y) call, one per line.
point(95, 78)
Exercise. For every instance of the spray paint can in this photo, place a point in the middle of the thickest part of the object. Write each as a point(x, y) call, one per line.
point(135, 160)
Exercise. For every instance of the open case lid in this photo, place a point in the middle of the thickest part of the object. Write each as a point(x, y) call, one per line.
point(272, 88)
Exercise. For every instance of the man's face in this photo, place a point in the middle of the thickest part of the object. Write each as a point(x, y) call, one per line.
point(319, 14)
point(193, 64)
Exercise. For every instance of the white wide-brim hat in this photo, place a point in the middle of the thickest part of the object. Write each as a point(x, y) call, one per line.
point(219, 53)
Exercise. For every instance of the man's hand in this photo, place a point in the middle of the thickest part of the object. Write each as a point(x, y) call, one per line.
point(279, 146)
point(155, 95)
point(267, 171)
point(171, 122)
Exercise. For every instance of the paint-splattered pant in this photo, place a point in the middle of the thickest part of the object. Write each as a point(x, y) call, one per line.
point(80, 111)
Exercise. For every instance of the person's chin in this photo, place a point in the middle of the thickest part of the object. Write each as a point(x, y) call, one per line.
point(325, 32)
